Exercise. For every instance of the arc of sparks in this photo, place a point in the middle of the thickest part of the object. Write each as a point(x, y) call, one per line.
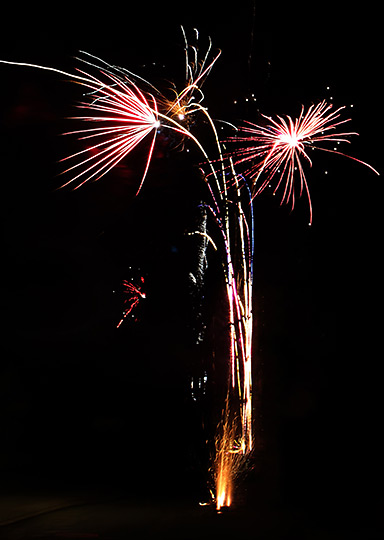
point(205, 235)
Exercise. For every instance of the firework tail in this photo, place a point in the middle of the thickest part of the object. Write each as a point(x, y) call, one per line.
point(234, 439)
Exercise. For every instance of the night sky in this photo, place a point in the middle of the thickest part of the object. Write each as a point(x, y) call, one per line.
point(82, 402)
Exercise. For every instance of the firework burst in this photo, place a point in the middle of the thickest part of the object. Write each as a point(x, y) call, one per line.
point(134, 293)
point(278, 148)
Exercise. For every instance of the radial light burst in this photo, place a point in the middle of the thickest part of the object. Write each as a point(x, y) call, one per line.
point(278, 148)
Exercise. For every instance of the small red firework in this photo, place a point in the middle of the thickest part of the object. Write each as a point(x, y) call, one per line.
point(134, 293)
point(279, 146)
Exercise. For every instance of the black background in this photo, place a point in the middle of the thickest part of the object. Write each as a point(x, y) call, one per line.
point(82, 402)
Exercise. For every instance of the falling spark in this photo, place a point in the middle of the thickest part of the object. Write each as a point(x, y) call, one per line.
point(279, 147)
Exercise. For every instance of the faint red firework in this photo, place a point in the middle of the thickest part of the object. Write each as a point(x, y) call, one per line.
point(134, 293)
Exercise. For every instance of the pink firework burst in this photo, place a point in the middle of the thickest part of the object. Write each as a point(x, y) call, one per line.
point(278, 148)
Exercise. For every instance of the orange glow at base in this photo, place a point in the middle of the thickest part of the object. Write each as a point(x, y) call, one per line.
point(227, 461)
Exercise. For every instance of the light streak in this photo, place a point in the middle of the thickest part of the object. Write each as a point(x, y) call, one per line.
point(278, 148)
point(205, 235)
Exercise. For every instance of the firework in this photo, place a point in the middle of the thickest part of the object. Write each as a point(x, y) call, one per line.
point(279, 147)
point(123, 111)
point(134, 293)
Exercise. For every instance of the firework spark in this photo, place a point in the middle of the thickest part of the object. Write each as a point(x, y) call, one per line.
point(279, 147)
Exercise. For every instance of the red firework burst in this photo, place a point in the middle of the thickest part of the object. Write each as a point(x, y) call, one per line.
point(134, 293)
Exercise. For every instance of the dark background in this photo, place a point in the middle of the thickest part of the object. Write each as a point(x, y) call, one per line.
point(85, 404)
